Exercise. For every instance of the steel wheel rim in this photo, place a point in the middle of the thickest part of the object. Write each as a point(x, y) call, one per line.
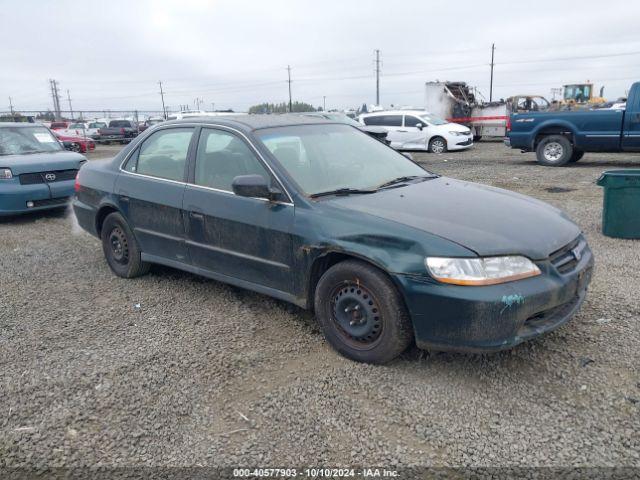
point(355, 313)
point(437, 146)
point(553, 151)
point(119, 246)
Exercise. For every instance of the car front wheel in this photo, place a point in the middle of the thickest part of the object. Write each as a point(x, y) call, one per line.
point(362, 313)
point(437, 145)
point(120, 248)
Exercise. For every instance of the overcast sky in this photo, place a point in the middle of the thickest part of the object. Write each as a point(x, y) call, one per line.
point(234, 53)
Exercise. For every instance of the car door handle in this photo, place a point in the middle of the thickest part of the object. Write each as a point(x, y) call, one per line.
point(402, 131)
point(196, 215)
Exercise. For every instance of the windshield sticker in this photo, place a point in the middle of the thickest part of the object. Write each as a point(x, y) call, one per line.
point(44, 137)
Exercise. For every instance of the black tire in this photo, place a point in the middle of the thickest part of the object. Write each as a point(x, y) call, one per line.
point(437, 145)
point(121, 248)
point(554, 151)
point(75, 147)
point(361, 313)
point(577, 155)
point(477, 138)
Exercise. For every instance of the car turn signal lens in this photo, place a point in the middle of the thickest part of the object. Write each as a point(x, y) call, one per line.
point(480, 271)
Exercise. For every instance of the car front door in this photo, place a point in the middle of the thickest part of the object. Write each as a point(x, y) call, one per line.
point(631, 126)
point(411, 136)
point(247, 239)
point(150, 191)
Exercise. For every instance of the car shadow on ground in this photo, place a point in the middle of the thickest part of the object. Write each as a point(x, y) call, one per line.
point(31, 217)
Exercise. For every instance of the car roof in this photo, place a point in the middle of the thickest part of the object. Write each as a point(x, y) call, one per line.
point(20, 124)
point(397, 112)
point(254, 122)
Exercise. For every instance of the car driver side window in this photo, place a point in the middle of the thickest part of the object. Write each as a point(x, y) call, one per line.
point(163, 154)
point(223, 156)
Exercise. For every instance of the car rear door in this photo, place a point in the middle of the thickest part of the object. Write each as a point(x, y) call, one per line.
point(393, 124)
point(247, 239)
point(150, 190)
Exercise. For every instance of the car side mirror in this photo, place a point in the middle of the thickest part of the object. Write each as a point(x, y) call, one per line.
point(419, 126)
point(254, 186)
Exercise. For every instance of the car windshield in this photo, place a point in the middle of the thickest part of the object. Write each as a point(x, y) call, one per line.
point(77, 125)
point(119, 124)
point(97, 125)
point(21, 140)
point(432, 119)
point(323, 158)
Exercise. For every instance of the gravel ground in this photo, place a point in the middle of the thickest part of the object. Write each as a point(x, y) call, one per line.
point(172, 369)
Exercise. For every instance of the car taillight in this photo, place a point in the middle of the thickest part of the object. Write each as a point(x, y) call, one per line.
point(76, 185)
point(508, 124)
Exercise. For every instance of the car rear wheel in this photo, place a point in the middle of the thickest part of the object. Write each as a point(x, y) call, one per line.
point(121, 248)
point(362, 313)
point(75, 147)
point(437, 145)
point(554, 151)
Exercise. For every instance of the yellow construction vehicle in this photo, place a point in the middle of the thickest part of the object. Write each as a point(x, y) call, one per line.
point(581, 94)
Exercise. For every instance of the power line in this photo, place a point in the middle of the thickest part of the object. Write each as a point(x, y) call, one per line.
point(69, 100)
point(377, 77)
point(56, 98)
point(290, 102)
point(493, 49)
point(164, 110)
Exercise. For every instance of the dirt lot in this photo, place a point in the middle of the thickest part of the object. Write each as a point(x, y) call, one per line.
point(172, 369)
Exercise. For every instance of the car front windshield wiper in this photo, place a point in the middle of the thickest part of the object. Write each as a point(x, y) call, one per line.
point(404, 179)
point(342, 191)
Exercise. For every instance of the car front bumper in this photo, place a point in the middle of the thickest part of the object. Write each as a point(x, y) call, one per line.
point(491, 318)
point(459, 142)
point(45, 196)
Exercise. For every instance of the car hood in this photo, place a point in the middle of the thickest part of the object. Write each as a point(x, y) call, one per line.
point(453, 127)
point(41, 162)
point(487, 220)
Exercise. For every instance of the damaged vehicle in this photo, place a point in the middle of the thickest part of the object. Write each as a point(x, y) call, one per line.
point(36, 172)
point(322, 215)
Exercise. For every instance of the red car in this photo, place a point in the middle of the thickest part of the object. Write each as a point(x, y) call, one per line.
point(75, 144)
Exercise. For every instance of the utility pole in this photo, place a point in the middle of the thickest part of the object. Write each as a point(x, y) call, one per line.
point(493, 49)
point(324, 103)
point(56, 98)
point(290, 102)
point(377, 77)
point(213, 106)
point(164, 110)
point(69, 100)
point(11, 105)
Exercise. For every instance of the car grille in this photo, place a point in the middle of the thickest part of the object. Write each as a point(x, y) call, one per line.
point(565, 259)
point(50, 202)
point(40, 177)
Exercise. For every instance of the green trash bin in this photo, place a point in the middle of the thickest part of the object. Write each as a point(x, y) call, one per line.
point(621, 208)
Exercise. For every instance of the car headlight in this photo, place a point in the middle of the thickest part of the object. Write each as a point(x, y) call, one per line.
point(480, 271)
point(5, 174)
point(459, 134)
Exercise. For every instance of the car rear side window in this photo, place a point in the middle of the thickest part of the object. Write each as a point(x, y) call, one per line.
point(221, 157)
point(163, 154)
point(384, 120)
